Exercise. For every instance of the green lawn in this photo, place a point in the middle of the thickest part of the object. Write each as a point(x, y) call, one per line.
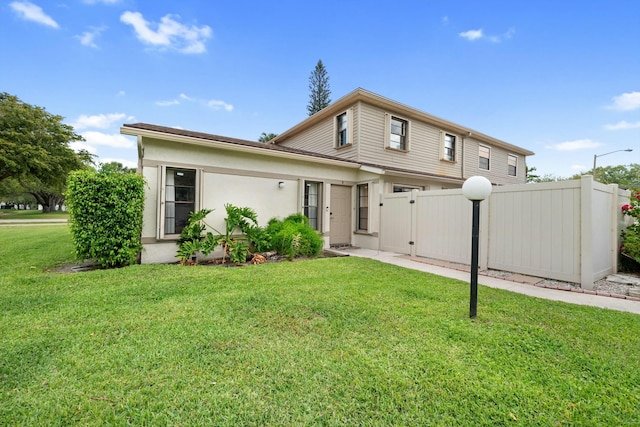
point(333, 341)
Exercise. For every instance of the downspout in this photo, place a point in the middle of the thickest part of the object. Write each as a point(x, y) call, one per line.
point(140, 154)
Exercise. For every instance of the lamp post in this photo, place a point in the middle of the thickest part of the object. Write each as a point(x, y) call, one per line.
point(595, 156)
point(476, 189)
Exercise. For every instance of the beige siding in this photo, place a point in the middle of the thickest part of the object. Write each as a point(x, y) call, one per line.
point(424, 154)
point(321, 138)
point(498, 164)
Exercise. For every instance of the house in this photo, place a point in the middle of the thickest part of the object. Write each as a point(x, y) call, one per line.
point(334, 167)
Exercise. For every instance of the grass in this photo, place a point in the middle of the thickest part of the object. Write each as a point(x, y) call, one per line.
point(31, 214)
point(334, 341)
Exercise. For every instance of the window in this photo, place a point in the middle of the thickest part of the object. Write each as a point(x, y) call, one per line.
point(341, 125)
point(399, 188)
point(179, 198)
point(363, 207)
point(449, 152)
point(485, 155)
point(311, 205)
point(513, 165)
point(398, 134)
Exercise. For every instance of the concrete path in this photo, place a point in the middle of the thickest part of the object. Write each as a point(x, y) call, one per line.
point(6, 222)
point(522, 288)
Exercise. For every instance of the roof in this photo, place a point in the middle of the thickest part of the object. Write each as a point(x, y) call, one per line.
point(400, 109)
point(224, 142)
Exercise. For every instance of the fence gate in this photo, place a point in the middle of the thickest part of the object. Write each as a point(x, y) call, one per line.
point(397, 212)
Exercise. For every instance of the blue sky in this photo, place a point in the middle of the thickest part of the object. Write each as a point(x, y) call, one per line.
point(560, 78)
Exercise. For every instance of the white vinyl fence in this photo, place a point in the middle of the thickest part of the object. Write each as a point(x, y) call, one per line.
point(566, 230)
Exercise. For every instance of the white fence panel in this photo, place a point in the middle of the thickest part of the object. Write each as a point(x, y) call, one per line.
point(443, 228)
point(565, 230)
point(535, 229)
point(396, 222)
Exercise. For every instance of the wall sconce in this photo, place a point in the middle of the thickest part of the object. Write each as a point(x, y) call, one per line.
point(281, 184)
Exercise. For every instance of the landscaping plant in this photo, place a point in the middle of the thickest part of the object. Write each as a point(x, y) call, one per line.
point(294, 236)
point(631, 236)
point(105, 212)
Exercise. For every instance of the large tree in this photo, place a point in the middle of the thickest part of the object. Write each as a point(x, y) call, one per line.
point(35, 143)
point(35, 151)
point(319, 91)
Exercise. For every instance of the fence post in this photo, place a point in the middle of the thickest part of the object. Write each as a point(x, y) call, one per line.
point(586, 232)
point(613, 230)
point(414, 221)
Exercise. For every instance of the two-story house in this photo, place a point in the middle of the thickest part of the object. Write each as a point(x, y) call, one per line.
point(334, 166)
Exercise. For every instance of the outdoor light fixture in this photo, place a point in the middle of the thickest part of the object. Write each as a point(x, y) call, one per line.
point(595, 156)
point(281, 184)
point(476, 189)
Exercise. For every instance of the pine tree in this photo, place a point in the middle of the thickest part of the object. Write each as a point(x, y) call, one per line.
point(318, 89)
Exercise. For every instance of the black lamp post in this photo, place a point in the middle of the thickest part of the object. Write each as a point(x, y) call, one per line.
point(476, 189)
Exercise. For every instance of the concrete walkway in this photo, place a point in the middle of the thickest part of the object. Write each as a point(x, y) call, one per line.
point(493, 282)
point(32, 221)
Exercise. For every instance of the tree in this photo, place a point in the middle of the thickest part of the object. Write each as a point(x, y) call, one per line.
point(319, 90)
point(266, 137)
point(115, 167)
point(627, 176)
point(35, 151)
point(35, 143)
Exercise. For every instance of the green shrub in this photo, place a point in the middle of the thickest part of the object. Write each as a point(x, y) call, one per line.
point(631, 236)
point(294, 237)
point(105, 211)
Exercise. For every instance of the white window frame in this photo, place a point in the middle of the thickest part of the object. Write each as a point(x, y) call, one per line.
point(387, 132)
point(359, 208)
point(482, 157)
point(515, 165)
point(444, 147)
point(349, 131)
point(162, 198)
point(318, 204)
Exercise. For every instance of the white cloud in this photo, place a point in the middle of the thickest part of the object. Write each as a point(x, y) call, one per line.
point(169, 33)
point(579, 144)
point(101, 1)
point(218, 105)
point(167, 103)
point(213, 103)
point(121, 93)
point(471, 35)
point(578, 167)
point(94, 139)
point(32, 12)
point(88, 37)
point(81, 145)
point(623, 125)
point(626, 102)
point(99, 121)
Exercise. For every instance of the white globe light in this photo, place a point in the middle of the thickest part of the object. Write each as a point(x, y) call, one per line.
point(476, 188)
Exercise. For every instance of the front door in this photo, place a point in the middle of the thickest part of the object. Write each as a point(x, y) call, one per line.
point(340, 216)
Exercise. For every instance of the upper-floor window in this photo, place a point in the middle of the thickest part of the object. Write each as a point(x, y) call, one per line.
point(513, 165)
point(179, 198)
point(449, 152)
point(484, 157)
point(341, 125)
point(400, 188)
point(363, 207)
point(311, 204)
point(398, 134)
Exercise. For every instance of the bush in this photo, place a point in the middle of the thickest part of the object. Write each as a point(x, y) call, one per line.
point(631, 236)
point(294, 237)
point(105, 211)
